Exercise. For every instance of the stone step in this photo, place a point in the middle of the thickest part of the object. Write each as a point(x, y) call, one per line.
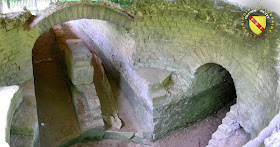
point(231, 115)
point(228, 130)
point(218, 135)
point(228, 121)
point(213, 143)
point(234, 109)
point(234, 126)
point(225, 129)
point(153, 79)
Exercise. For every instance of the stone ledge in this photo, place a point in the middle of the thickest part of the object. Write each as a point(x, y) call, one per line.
point(153, 82)
point(123, 136)
point(154, 77)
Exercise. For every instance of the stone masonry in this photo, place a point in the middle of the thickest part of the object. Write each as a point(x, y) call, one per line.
point(148, 88)
point(226, 129)
point(88, 97)
point(24, 128)
point(12, 97)
point(78, 60)
point(181, 38)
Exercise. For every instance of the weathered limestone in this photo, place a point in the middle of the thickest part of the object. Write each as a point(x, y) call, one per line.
point(269, 133)
point(274, 139)
point(153, 83)
point(226, 130)
point(109, 107)
point(153, 91)
point(114, 47)
point(78, 60)
point(11, 97)
point(25, 121)
point(178, 41)
point(87, 106)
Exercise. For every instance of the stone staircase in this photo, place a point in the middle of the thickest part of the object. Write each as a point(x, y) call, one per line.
point(228, 127)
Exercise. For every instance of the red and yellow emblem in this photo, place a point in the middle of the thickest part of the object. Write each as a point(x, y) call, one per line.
point(257, 24)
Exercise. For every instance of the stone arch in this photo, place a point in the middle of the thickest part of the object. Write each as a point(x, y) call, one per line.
point(204, 55)
point(216, 70)
point(234, 75)
point(66, 11)
point(246, 76)
point(217, 80)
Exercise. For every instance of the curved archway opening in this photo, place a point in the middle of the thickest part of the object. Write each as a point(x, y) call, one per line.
point(216, 94)
point(215, 83)
point(54, 90)
point(56, 115)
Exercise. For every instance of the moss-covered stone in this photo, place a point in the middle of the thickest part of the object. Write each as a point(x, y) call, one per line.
point(177, 36)
point(22, 131)
point(81, 139)
point(202, 14)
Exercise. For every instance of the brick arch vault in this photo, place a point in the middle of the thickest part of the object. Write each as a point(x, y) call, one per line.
point(17, 38)
point(253, 85)
point(66, 11)
point(19, 32)
point(169, 41)
point(180, 43)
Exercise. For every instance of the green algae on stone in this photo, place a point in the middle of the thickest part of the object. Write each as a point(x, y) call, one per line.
point(22, 130)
